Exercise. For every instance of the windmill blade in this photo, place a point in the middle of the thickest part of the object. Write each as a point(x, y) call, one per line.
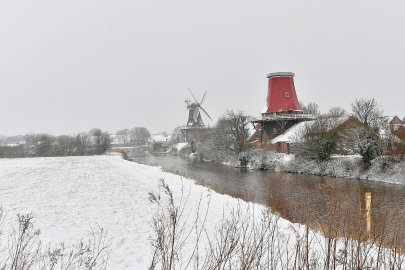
point(192, 95)
point(202, 100)
point(206, 113)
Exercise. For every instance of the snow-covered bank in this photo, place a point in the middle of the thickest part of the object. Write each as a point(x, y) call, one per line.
point(337, 166)
point(68, 195)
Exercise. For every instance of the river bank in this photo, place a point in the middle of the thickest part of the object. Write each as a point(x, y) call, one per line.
point(382, 169)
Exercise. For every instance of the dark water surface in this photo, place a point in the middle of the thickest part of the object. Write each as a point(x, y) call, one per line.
point(337, 207)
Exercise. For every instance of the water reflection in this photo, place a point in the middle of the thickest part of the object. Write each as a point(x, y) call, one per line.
point(337, 207)
point(367, 196)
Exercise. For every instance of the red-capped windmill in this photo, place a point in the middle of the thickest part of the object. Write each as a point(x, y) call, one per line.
point(283, 109)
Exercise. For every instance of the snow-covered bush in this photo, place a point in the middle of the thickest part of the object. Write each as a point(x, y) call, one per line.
point(263, 160)
point(316, 140)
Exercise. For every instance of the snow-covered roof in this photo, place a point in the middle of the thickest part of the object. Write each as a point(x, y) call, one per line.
point(158, 138)
point(115, 139)
point(13, 144)
point(294, 131)
point(250, 129)
point(389, 118)
point(291, 133)
point(180, 146)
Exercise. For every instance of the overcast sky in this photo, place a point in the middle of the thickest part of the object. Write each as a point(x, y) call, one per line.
point(69, 66)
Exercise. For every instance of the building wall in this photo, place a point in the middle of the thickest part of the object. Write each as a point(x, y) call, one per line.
point(395, 124)
point(197, 134)
point(345, 142)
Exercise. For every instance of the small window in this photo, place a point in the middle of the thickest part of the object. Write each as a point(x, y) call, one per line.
point(286, 94)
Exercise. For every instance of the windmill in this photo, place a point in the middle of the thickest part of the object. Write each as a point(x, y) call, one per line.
point(194, 113)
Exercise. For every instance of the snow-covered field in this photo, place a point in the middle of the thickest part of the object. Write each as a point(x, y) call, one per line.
point(69, 195)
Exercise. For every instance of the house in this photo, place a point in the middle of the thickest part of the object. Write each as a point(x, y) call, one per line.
point(159, 143)
point(342, 126)
point(394, 123)
point(396, 142)
point(254, 131)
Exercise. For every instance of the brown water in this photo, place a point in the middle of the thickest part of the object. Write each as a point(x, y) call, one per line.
point(364, 210)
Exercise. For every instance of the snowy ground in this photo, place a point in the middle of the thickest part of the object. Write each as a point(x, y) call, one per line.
point(69, 195)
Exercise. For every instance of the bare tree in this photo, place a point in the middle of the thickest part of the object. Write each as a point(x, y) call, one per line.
point(316, 140)
point(230, 134)
point(139, 135)
point(101, 141)
point(369, 143)
point(368, 137)
point(311, 108)
point(368, 111)
point(82, 143)
point(64, 146)
point(123, 136)
point(176, 136)
point(336, 112)
point(43, 145)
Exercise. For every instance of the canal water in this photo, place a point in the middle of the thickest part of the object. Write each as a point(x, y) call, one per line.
point(364, 210)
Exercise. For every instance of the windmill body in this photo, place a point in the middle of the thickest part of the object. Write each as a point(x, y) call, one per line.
point(194, 116)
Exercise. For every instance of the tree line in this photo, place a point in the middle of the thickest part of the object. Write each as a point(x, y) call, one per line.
point(134, 136)
point(93, 142)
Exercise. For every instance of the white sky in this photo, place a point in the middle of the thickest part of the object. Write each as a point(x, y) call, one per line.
point(70, 65)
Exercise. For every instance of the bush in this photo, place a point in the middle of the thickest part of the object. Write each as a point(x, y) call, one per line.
point(316, 141)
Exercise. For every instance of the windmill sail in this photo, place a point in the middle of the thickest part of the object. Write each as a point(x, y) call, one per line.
point(206, 113)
